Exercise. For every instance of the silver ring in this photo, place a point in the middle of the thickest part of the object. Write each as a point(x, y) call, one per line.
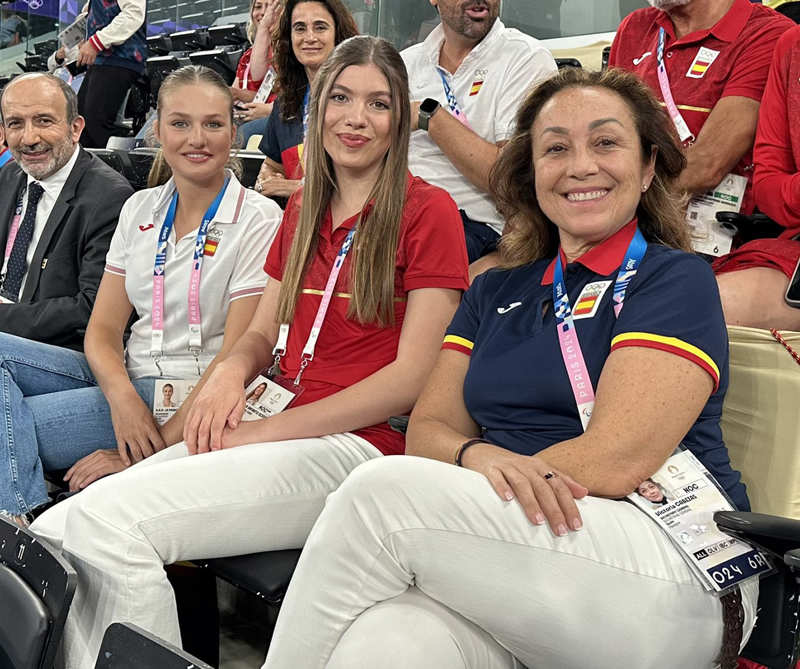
point(549, 475)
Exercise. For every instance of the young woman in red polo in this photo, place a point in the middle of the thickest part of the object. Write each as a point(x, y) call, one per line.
point(365, 274)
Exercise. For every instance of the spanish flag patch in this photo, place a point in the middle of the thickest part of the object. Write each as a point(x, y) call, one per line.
point(702, 61)
point(476, 87)
point(211, 247)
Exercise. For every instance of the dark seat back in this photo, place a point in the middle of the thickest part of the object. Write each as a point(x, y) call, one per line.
point(36, 589)
point(127, 646)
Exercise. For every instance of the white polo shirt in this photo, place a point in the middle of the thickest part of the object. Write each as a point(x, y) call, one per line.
point(233, 266)
point(489, 85)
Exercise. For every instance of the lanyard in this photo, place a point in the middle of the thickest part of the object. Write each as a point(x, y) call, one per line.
point(15, 223)
point(452, 101)
point(283, 333)
point(305, 112)
point(684, 133)
point(571, 351)
point(195, 328)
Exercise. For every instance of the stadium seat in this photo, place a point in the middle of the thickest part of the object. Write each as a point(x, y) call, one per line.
point(127, 646)
point(36, 589)
point(775, 641)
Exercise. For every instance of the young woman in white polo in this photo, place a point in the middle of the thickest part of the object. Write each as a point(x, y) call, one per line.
point(187, 259)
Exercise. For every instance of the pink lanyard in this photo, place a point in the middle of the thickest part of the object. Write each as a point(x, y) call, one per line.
point(311, 343)
point(678, 121)
point(15, 223)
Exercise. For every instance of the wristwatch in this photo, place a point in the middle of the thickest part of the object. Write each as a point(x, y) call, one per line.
point(427, 109)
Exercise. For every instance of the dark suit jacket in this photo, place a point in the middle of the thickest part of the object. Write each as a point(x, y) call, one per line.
point(65, 271)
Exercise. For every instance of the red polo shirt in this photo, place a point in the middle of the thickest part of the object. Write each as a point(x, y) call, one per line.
point(743, 41)
point(431, 253)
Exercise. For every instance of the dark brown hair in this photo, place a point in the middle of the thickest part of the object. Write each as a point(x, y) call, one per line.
point(529, 234)
point(292, 79)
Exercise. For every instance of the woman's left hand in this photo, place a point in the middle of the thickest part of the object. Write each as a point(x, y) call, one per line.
point(253, 110)
point(543, 492)
point(92, 467)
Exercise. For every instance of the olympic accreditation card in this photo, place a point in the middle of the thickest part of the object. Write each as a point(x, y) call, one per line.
point(708, 236)
point(682, 497)
point(168, 396)
point(266, 397)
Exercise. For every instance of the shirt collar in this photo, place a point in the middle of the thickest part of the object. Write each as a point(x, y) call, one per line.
point(726, 29)
point(229, 209)
point(603, 259)
point(433, 43)
point(53, 184)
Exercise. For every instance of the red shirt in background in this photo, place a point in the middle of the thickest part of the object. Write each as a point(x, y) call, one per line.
point(431, 253)
point(744, 40)
point(243, 77)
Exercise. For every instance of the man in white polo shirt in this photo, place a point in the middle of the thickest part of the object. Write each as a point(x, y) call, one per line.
point(478, 70)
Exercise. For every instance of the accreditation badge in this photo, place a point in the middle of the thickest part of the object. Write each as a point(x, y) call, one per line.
point(168, 396)
point(682, 498)
point(265, 396)
point(708, 235)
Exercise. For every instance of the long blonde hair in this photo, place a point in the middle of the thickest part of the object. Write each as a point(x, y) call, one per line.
point(375, 246)
point(529, 234)
point(160, 171)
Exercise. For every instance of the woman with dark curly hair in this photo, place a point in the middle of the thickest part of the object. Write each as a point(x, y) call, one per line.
point(307, 33)
point(506, 541)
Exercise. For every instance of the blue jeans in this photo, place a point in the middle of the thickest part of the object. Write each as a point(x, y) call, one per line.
point(54, 413)
point(481, 239)
point(257, 126)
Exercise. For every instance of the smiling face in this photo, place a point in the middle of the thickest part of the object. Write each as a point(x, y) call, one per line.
point(357, 124)
point(195, 131)
point(36, 128)
point(257, 13)
point(313, 34)
point(588, 164)
point(471, 19)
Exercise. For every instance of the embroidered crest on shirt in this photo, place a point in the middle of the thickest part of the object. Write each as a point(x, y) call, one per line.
point(480, 77)
point(212, 241)
point(702, 61)
point(589, 299)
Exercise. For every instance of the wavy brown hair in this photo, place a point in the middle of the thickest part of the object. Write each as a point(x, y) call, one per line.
point(292, 79)
point(529, 234)
point(375, 245)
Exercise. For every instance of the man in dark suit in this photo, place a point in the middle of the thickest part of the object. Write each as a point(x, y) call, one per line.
point(58, 209)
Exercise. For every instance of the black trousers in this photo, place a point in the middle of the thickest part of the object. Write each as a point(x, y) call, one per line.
point(100, 96)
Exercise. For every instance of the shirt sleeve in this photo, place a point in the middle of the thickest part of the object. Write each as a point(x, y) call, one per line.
point(117, 256)
point(262, 221)
point(614, 55)
point(241, 66)
point(269, 144)
point(463, 329)
point(434, 248)
point(123, 25)
point(676, 308)
point(749, 75)
point(534, 65)
point(777, 179)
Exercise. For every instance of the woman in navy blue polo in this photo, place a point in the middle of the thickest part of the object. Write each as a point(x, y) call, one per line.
point(525, 552)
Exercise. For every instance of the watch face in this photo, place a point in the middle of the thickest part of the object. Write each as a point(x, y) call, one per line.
point(428, 106)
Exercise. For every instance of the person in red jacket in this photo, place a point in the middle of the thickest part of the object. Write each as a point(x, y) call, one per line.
point(757, 272)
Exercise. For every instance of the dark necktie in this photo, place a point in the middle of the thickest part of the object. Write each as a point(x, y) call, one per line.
point(18, 261)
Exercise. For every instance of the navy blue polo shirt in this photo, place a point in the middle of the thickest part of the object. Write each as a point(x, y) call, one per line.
point(282, 142)
point(516, 387)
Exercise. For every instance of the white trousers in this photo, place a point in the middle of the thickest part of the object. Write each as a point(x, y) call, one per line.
point(120, 532)
point(614, 594)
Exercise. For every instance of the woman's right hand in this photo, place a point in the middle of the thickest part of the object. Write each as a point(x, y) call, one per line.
point(544, 492)
point(219, 403)
point(272, 12)
point(135, 428)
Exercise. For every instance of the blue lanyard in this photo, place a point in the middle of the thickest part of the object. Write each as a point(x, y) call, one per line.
point(452, 101)
point(571, 351)
point(305, 112)
point(5, 156)
point(195, 329)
